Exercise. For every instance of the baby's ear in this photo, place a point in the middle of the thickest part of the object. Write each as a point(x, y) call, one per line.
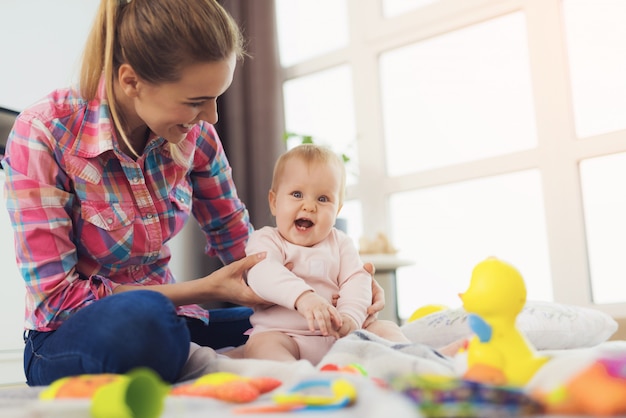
point(271, 197)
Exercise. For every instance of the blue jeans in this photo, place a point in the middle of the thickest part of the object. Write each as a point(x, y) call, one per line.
point(121, 332)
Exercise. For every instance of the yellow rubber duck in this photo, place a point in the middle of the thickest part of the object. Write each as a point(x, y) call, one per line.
point(498, 353)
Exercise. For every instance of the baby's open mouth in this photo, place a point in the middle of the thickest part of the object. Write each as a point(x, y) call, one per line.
point(303, 223)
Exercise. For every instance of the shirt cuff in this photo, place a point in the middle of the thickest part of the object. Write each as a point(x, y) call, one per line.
point(101, 286)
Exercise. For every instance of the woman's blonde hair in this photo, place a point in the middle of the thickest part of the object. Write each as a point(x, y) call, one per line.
point(310, 153)
point(158, 38)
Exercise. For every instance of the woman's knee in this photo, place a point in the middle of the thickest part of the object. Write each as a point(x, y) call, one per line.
point(115, 335)
point(152, 335)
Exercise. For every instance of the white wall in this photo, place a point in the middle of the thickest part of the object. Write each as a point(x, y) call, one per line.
point(42, 44)
point(42, 41)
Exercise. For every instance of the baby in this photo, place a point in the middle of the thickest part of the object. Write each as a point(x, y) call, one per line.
point(305, 197)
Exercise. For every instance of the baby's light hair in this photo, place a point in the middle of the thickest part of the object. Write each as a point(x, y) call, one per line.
point(310, 153)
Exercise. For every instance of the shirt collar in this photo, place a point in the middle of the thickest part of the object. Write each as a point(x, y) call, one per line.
point(96, 135)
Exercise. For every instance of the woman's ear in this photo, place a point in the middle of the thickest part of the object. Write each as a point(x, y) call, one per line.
point(128, 80)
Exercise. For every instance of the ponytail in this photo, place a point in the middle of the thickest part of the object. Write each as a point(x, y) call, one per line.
point(158, 39)
point(98, 61)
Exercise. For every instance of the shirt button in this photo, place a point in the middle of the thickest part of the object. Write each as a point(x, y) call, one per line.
point(149, 216)
point(136, 180)
point(110, 221)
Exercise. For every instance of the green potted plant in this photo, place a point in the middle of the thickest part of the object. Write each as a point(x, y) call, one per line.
point(308, 139)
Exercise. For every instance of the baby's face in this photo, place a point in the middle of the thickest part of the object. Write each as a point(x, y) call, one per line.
point(306, 201)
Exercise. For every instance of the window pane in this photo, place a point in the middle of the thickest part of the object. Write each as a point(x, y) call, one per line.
point(351, 212)
point(603, 182)
point(321, 105)
point(458, 97)
point(308, 28)
point(447, 230)
point(397, 7)
point(596, 35)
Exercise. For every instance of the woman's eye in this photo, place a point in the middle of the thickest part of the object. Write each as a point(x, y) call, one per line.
point(195, 104)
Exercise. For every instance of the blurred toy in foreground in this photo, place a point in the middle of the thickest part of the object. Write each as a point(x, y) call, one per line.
point(498, 353)
point(426, 310)
point(353, 368)
point(442, 396)
point(598, 390)
point(227, 387)
point(309, 395)
point(139, 394)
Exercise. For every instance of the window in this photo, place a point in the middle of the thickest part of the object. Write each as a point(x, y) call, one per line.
point(594, 33)
point(321, 105)
point(603, 185)
point(310, 28)
point(397, 7)
point(449, 227)
point(478, 128)
point(447, 116)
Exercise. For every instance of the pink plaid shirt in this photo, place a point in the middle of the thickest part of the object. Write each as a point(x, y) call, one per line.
point(87, 218)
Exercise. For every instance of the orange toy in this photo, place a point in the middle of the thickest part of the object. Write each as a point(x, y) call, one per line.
point(139, 393)
point(599, 390)
point(227, 387)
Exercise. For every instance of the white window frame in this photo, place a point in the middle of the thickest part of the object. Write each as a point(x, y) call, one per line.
point(556, 156)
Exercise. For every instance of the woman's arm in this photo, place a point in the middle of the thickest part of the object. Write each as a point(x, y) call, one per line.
point(226, 284)
point(222, 216)
point(39, 202)
point(378, 297)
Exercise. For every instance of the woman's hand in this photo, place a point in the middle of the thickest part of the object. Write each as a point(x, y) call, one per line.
point(378, 297)
point(230, 285)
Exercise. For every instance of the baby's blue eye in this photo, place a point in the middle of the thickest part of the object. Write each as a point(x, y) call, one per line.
point(297, 195)
point(323, 199)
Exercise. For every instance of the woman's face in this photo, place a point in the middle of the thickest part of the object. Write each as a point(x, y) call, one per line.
point(170, 110)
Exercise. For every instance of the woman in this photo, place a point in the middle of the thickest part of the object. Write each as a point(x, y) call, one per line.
point(101, 177)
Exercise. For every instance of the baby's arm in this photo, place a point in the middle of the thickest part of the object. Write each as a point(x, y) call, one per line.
point(318, 310)
point(355, 288)
point(271, 274)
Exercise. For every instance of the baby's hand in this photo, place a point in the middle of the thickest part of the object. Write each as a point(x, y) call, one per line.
point(348, 325)
point(318, 310)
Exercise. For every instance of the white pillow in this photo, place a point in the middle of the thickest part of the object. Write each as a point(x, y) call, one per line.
point(547, 325)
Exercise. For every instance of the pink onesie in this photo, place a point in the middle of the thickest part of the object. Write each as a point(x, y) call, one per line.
point(332, 266)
